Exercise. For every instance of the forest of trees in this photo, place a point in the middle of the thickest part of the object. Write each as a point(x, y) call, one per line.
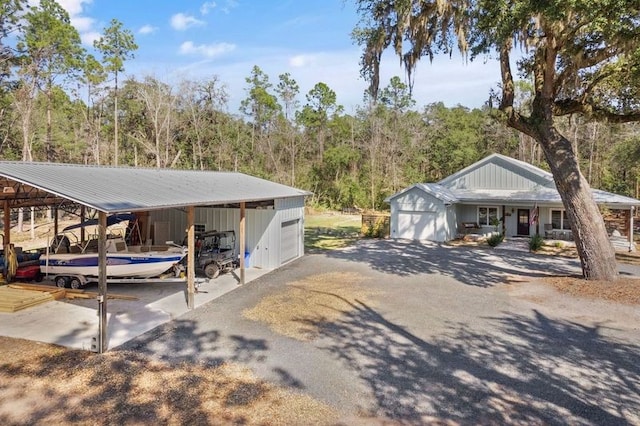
point(60, 102)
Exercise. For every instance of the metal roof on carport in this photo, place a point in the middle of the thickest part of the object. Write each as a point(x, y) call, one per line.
point(119, 189)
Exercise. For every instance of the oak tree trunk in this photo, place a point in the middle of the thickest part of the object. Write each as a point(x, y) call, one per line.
point(596, 252)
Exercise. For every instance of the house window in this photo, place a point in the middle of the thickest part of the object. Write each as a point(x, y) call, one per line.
point(487, 215)
point(199, 228)
point(559, 220)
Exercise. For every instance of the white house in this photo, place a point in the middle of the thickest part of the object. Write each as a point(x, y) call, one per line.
point(495, 193)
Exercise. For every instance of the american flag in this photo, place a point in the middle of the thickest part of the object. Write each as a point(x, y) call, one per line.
point(534, 215)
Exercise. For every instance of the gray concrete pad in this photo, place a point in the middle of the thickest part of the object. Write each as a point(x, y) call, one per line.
point(74, 323)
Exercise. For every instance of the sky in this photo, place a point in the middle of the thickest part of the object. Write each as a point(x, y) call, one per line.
point(310, 39)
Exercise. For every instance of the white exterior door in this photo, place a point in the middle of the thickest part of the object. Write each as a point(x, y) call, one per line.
point(417, 225)
point(289, 240)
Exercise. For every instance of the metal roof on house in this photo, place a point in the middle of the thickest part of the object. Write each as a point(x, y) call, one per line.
point(119, 189)
point(539, 196)
point(438, 191)
point(541, 187)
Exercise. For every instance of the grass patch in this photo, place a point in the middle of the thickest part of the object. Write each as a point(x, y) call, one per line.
point(305, 306)
point(330, 231)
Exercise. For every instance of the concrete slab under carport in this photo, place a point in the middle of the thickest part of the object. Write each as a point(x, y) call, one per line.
point(74, 323)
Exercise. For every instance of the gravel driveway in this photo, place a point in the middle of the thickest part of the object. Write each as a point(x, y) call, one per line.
point(451, 337)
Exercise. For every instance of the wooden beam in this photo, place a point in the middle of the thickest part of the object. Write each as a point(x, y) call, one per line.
point(102, 282)
point(55, 221)
point(631, 213)
point(191, 264)
point(242, 241)
point(83, 214)
point(7, 223)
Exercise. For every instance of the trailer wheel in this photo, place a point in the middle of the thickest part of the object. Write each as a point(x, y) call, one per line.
point(75, 283)
point(212, 271)
point(61, 282)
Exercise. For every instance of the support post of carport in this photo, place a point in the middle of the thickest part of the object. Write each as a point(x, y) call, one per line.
point(191, 264)
point(83, 214)
point(7, 223)
point(242, 242)
point(102, 282)
point(55, 221)
point(631, 213)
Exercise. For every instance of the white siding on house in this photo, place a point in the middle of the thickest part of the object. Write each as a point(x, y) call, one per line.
point(451, 223)
point(492, 182)
point(499, 175)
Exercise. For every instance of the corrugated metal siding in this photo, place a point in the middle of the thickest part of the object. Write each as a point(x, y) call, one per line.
point(263, 238)
point(289, 241)
point(292, 208)
point(282, 204)
point(263, 227)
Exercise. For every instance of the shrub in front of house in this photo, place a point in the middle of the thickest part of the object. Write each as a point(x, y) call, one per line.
point(536, 242)
point(495, 239)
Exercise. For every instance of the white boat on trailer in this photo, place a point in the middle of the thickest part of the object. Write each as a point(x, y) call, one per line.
point(77, 265)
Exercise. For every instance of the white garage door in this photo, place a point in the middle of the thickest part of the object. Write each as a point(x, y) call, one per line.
point(417, 225)
point(289, 240)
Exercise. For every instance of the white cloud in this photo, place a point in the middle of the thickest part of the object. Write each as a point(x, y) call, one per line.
point(300, 61)
point(147, 29)
point(207, 7)
point(181, 22)
point(230, 4)
point(89, 37)
point(206, 50)
point(84, 24)
point(73, 7)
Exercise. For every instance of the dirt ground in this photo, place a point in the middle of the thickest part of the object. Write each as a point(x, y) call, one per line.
point(47, 384)
point(623, 290)
point(43, 383)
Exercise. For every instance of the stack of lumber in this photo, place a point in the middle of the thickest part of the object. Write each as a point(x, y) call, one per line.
point(14, 299)
point(68, 293)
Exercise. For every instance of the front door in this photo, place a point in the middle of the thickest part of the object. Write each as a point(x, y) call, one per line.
point(523, 221)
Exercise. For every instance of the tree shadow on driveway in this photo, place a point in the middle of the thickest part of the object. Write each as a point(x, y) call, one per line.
point(182, 341)
point(530, 370)
point(482, 267)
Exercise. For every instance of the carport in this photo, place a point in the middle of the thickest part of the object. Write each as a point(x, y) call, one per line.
point(110, 190)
